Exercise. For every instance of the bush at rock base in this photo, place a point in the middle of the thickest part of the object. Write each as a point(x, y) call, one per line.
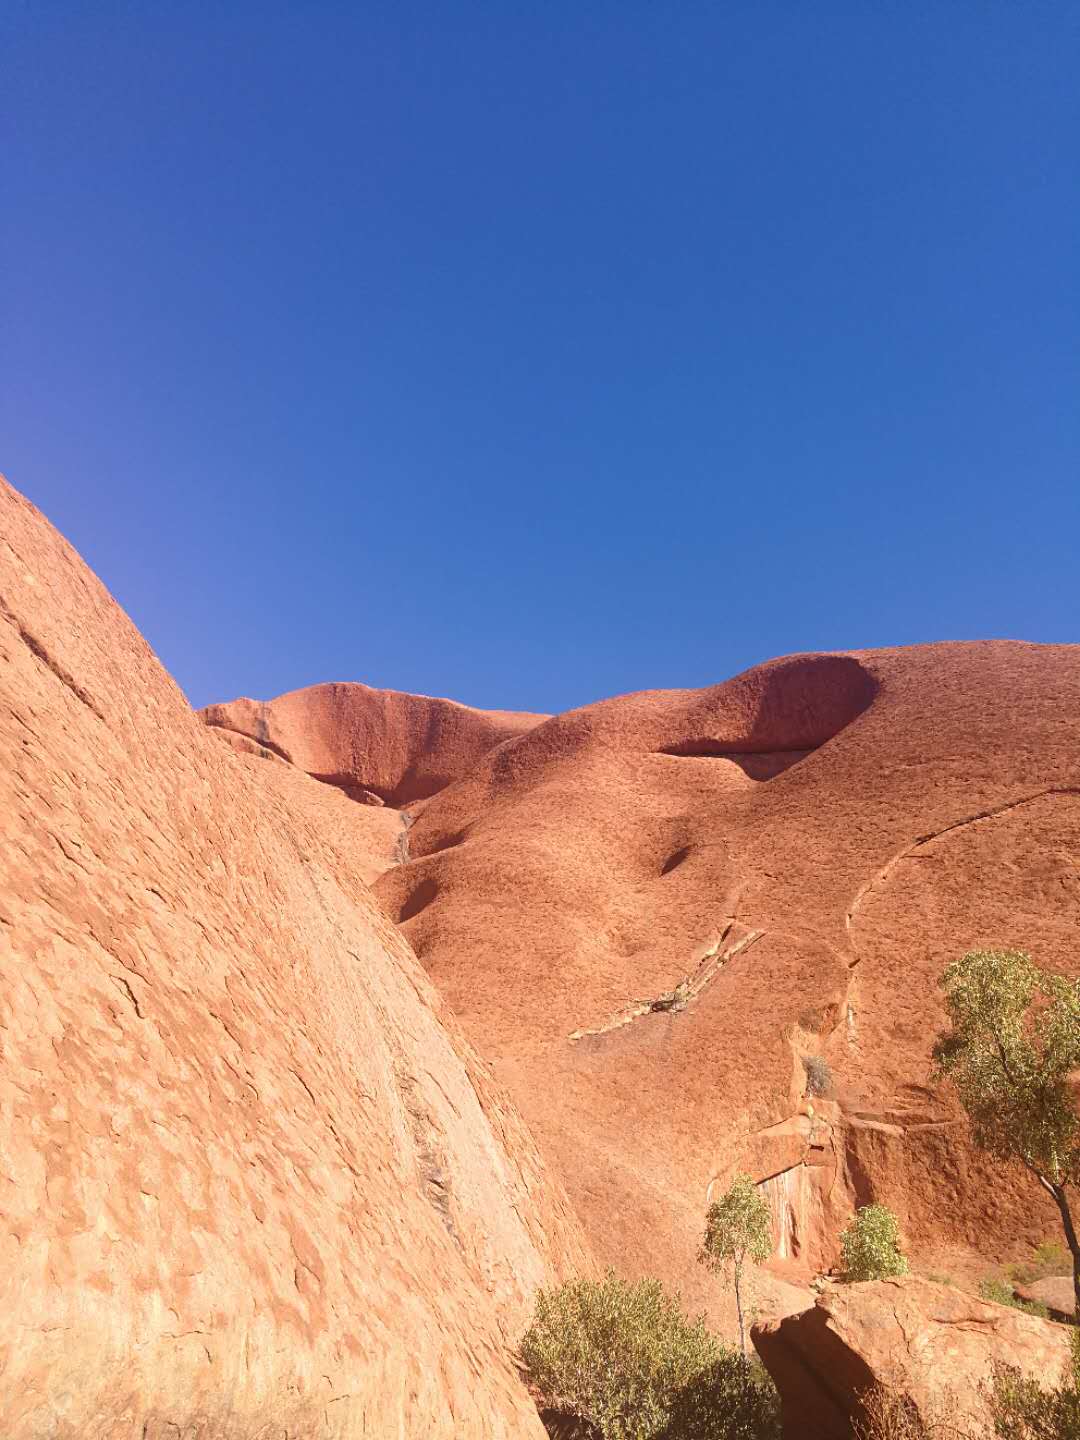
point(624, 1357)
point(871, 1245)
point(889, 1416)
point(1002, 1293)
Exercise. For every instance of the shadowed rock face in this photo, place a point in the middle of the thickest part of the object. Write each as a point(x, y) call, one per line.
point(376, 745)
point(928, 1344)
point(654, 912)
point(255, 1181)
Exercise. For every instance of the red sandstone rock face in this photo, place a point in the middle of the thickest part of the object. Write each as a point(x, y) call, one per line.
point(1055, 1292)
point(255, 1182)
point(930, 1344)
point(652, 913)
point(379, 746)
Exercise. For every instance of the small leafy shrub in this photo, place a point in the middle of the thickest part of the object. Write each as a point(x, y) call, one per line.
point(734, 1400)
point(871, 1245)
point(1002, 1293)
point(818, 1075)
point(1023, 1409)
point(624, 1358)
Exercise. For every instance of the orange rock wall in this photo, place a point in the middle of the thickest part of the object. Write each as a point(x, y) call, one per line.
point(377, 745)
point(650, 913)
point(255, 1182)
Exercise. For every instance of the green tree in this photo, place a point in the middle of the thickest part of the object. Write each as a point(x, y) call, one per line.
point(871, 1245)
point(738, 1228)
point(1013, 1040)
point(624, 1358)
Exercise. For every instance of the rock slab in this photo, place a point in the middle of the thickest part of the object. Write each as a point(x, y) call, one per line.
point(255, 1183)
point(931, 1344)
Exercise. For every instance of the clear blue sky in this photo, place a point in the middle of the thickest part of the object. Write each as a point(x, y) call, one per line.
point(533, 353)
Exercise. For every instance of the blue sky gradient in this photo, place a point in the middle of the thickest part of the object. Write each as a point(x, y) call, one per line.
point(531, 354)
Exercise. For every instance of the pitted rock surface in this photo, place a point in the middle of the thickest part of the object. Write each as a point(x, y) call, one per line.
point(255, 1181)
point(663, 915)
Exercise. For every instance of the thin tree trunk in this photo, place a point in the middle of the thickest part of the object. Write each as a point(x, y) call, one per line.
point(1062, 1202)
point(738, 1307)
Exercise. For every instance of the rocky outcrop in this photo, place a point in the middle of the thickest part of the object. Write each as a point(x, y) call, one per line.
point(379, 746)
point(931, 1345)
point(712, 923)
point(255, 1182)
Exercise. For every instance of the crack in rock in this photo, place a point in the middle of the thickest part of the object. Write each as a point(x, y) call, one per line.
point(687, 990)
point(129, 992)
point(909, 850)
point(401, 846)
point(37, 649)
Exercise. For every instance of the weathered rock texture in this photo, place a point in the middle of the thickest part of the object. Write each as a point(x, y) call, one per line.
point(255, 1183)
point(930, 1344)
point(702, 930)
point(1055, 1292)
point(379, 746)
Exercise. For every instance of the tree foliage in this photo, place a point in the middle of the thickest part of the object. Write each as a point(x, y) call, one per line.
point(733, 1400)
point(738, 1228)
point(1009, 1059)
point(871, 1245)
point(624, 1357)
point(1013, 1040)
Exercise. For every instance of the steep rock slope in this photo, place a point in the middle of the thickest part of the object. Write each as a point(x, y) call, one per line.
point(255, 1182)
point(702, 930)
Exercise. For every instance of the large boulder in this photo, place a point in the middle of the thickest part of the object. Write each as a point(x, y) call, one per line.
point(931, 1345)
point(255, 1182)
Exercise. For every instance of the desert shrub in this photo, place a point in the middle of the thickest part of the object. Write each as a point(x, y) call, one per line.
point(560, 1426)
point(1002, 1293)
point(871, 1245)
point(818, 1075)
point(1022, 1409)
point(733, 1400)
point(889, 1416)
point(1050, 1258)
point(624, 1357)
